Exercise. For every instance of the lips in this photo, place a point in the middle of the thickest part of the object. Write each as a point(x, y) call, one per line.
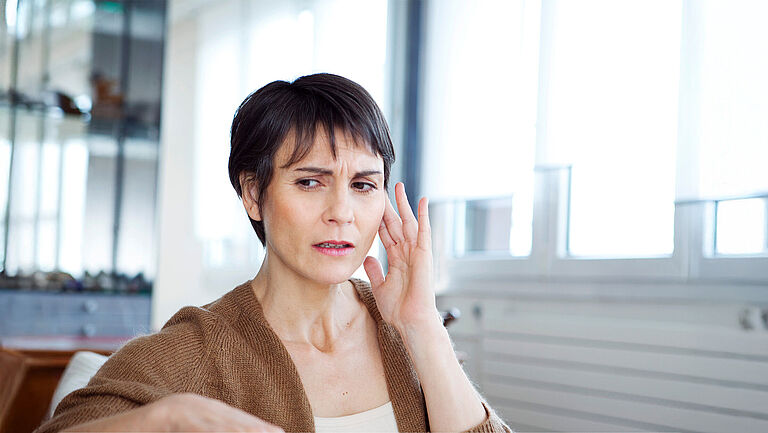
point(334, 243)
point(334, 247)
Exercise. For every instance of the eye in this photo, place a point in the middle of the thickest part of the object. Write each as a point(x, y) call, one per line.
point(307, 183)
point(364, 187)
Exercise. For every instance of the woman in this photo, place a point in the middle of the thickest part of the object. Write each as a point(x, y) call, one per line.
point(302, 347)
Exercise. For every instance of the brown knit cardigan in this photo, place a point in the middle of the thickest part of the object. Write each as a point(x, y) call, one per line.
point(226, 350)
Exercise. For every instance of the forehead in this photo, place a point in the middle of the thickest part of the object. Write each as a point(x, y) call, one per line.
point(347, 150)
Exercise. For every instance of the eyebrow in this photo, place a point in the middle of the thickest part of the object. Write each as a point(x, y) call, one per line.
point(325, 171)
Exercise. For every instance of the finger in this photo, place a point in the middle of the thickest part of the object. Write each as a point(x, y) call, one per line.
point(425, 230)
point(393, 223)
point(384, 235)
point(410, 225)
point(393, 253)
point(374, 271)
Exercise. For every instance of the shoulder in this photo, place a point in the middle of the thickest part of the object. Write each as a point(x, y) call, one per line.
point(144, 370)
point(184, 343)
point(184, 356)
point(215, 319)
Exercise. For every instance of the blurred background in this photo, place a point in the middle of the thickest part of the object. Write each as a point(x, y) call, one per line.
point(597, 175)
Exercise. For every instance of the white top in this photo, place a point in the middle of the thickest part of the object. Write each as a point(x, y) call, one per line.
point(380, 419)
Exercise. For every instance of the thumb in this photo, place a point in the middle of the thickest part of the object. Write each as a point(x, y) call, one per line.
point(374, 271)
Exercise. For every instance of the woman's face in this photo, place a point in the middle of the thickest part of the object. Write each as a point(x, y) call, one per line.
point(320, 200)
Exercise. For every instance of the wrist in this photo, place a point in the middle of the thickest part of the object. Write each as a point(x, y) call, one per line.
point(431, 322)
point(425, 339)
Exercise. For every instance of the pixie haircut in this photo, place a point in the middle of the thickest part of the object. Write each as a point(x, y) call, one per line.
point(320, 102)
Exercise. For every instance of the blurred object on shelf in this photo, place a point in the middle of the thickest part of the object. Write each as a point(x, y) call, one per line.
point(15, 97)
point(57, 281)
point(107, 98)
point(62, 101)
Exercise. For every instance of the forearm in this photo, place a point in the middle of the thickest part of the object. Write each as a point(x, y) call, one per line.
point(141, 419)
point(452, 402)
point(180, 412)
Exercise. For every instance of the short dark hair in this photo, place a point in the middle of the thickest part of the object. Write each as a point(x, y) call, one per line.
point(320, 101)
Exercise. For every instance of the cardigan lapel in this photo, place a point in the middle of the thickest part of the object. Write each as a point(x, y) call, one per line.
point(291, 409)
point(402, 382)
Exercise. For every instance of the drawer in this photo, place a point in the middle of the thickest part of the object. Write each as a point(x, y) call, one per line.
point(82, 328)
point(56, 305)
point(70, 314)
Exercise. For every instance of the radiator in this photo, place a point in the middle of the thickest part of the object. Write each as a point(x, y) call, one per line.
point(593, 365)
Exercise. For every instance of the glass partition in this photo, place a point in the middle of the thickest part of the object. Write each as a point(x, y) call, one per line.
point(80, 92)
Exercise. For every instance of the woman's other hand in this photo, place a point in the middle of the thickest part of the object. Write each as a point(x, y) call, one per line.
point(192, 412)
point(405, 297)
point(181, 413)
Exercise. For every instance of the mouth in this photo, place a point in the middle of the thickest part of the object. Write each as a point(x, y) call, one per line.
point(334, 248)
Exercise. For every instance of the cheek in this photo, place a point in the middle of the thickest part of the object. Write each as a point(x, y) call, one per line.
point(373, 216)
point(287, 220)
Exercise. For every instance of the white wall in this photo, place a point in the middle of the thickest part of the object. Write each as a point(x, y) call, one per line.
point(179, 254)
point(183, 278)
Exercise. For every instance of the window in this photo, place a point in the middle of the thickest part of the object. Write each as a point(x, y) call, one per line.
point(741, 226)
point(725, 120)
point(650, 143)
point(479, 124)
point(611, 113)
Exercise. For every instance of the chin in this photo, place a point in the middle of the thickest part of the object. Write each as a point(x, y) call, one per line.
point(333, 276)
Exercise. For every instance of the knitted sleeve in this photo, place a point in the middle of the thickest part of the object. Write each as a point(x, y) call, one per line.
point(144, 370)
point(492, 423)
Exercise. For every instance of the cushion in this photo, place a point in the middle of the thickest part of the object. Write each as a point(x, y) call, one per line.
point(81, 368)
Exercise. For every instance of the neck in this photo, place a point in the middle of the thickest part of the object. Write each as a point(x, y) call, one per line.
point(306, 312)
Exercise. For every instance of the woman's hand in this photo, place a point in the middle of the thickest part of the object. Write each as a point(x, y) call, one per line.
point(406, 300)
point(181, 413)
point(192, 412)
point(405, 297)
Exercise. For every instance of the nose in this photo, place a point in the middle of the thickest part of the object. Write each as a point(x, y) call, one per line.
point(339, 207)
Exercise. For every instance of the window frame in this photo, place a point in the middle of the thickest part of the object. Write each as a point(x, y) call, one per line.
point(693, 230)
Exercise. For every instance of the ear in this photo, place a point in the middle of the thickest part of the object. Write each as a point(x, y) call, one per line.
point(250, 196)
